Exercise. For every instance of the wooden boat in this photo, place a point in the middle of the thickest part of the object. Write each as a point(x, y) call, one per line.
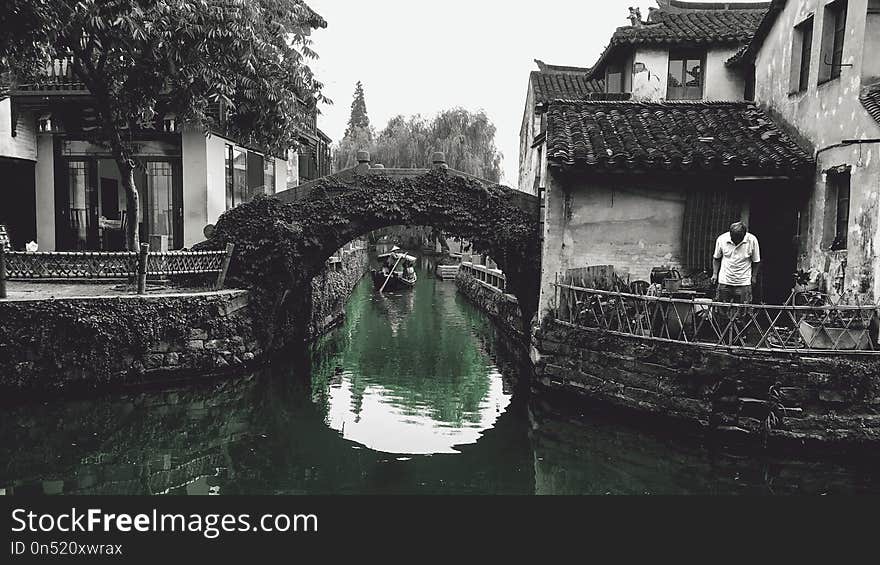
point(396, 279)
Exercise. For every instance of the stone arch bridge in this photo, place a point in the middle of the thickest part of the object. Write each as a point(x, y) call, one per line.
point(283, 241)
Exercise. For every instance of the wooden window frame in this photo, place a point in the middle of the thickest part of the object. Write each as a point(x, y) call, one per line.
point(833, 41)
point(801, 55)
point(683, 56)
point(842, 198)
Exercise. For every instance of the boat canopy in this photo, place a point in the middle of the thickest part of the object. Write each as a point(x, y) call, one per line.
point(397, 256)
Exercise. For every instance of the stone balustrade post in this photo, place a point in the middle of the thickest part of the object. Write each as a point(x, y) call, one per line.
point(363, 159)
point(438, 160)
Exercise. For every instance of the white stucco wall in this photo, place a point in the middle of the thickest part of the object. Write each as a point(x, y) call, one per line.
point(24, 144)
point(723, 82)
point(45, 197)
point(216, 179)
point(281, 174)
point(195, 187)
point(527, 135)
point(651, 75)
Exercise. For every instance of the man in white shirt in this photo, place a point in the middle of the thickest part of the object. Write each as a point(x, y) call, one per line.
point(736, 265)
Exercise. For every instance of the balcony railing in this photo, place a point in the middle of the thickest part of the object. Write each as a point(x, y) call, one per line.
point(756, 327)
point(58, 75)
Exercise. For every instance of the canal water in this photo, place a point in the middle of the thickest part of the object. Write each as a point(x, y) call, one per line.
point(416, 392)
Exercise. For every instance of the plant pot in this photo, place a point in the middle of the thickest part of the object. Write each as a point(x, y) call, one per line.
point(818, 337)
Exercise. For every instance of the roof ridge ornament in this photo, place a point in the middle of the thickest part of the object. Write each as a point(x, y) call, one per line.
point(635, 16)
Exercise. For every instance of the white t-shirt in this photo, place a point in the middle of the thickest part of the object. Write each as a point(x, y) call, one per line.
point(736, 260)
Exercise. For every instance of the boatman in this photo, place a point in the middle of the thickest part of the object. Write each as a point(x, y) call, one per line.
point(736, 265)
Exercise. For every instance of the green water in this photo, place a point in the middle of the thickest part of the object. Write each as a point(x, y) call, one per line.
point(415, 393)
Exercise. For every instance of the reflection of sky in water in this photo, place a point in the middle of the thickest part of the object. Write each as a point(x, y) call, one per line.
point(406, 373)
point(384, 425)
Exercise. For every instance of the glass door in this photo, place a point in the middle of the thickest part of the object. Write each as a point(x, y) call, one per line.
point(163, 209)
point(78, 207)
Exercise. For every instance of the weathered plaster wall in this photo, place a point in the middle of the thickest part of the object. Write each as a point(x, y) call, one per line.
point(822, 117)
point(633, 227)
point(824, 114)
point(723, 82)
point(526, 137)
point(651, 75)
point(862, 260)
point(24, 144)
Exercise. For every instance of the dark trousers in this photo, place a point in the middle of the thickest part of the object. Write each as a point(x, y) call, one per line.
point(734, 294)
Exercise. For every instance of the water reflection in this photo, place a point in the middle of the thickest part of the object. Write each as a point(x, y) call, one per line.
point(406, 373)
point(434, 409)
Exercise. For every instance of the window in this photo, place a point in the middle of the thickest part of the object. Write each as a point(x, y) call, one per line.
point(614, 79)
point(685, 76)
point(81, 203)
point(160, 213)
point(236, 176)
point(800, 56)
point(230, 176)
point(839, 190)
point(833, 32)
point(256, 179)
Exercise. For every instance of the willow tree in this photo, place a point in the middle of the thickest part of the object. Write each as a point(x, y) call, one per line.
point(142, 59)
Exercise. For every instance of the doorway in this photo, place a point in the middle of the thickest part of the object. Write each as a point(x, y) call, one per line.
point(18, 205)
point(773, 219)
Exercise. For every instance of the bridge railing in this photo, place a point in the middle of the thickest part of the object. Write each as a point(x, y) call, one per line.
point(87, 265)
point(493, 278)
point(757, 327)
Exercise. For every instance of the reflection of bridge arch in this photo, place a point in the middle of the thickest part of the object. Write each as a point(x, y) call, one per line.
point(306, 225)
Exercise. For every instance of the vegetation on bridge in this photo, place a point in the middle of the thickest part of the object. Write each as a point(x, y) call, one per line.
point(279, 247)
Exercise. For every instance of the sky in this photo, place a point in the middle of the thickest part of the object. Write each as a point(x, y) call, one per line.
point(421, 57)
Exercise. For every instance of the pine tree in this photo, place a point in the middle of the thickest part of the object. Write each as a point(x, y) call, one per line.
point(358, 118)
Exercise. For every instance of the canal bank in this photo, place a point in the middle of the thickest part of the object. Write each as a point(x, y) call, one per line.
point(99, 338)
point(414, 393)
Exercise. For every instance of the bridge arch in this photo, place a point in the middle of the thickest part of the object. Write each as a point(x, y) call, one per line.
point(283, 241)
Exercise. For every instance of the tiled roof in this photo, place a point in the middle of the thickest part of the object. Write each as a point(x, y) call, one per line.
point(734, 137)
point(870, 97)
point(699, 26)
point(684, 26)
point(552, 85)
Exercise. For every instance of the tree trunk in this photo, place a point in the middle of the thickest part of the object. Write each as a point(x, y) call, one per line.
point(132, 200)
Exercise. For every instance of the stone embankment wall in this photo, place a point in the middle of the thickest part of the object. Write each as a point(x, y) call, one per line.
point(83, 343)
point(790, 400)
point(503, 309)
point(332, 289)
point(65, 344)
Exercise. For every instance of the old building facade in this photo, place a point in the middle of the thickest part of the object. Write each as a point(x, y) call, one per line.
point(817, 73)
point(61, 186)
point(648, 172)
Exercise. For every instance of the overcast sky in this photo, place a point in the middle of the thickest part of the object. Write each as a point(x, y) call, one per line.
point(420, 57)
